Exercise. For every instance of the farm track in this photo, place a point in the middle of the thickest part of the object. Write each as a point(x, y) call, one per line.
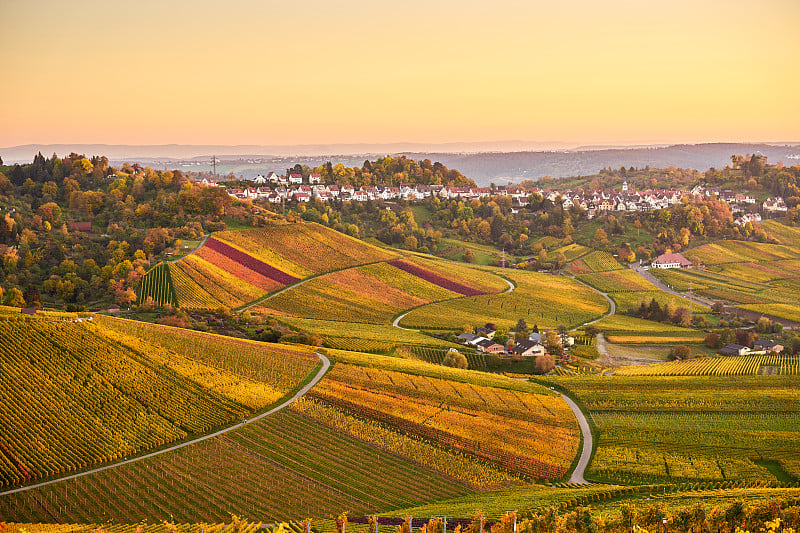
point(202, 243)
point(750, 315)
point(299, 394)
point(396, 321)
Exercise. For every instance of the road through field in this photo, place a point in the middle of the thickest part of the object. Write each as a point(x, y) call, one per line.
point(396, 321)
point(586, 451)
point(326, 363)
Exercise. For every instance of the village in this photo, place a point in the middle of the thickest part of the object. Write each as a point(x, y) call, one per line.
point(276, 189)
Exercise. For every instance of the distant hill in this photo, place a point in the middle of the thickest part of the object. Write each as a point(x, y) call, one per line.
point(504, 167)
point(503, 162)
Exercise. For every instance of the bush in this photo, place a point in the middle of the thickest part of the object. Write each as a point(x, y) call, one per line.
point(680, 352)
point(455, 359)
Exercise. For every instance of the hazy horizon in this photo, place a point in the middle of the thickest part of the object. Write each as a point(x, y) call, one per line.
point(256, 72)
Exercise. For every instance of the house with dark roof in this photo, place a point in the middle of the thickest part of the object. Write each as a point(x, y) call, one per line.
point(489, 346)
point(528, 348)
point(734, 349)
point(768, 346)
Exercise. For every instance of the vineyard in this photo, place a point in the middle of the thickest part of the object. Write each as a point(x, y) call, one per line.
point(750, 365)
point(311, 445)
point(674, 429)
point(475, 360)
point(509, 428)
point(303, 249)
point(629, 330)
point(157, 284)
point(599, 261)
point(95, 400)
point(286, 466)
point(281, 366)
point(542, 299)
point(352, 336)
point(617, 281)
point(371, 293)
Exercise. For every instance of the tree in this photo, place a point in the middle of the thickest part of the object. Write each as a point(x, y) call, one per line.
point(521, 327)
point(14, 298)
point(600, 237)
point(468, 256)
point(544, 364)
point(455, 359)
point(712, 340)
point(552, 341)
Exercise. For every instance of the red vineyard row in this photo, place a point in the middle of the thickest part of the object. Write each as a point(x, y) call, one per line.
point(251, 262)
point(435, 278)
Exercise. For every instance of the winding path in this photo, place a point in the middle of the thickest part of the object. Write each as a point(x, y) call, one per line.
point(396, 321)
point(612, 306)
point(307, 387)
point(202, 242)
point(586, 451)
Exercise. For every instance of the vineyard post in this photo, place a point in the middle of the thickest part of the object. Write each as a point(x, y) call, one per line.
point(482, 523)
point(444, 529)
point(515, 522)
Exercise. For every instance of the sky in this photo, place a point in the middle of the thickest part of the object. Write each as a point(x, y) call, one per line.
point(365, 71)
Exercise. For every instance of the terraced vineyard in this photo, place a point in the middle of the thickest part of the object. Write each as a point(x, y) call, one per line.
point(157, 284)
point(508, 428)
point(673, 429)
point(311, 445)
point(749, 365)
point(110, 388)
point(542, 299)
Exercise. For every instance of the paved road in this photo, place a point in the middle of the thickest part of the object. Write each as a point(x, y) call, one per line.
point(636, 267)
point(205, 238)
point(325, 366)
point(612, 306)
point(396, 321)
point(586, 452)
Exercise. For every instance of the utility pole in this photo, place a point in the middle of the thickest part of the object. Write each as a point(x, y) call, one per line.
point(214, 163)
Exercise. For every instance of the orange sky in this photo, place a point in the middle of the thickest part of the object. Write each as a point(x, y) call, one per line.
point(266, 72)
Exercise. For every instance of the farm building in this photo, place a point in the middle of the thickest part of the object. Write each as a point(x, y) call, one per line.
point(528, 348)
point(734, 349)
point(671, 261)
point(489, 346)
point(768, 346)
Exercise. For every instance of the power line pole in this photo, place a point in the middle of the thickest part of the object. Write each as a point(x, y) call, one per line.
point(214, 163)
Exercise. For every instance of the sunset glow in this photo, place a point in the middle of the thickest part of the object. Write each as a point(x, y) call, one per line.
point(265, 72)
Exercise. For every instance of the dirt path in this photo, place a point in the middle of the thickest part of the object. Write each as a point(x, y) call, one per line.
point(325, 366)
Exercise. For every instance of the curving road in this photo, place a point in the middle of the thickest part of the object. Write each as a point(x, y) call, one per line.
point(612, 306)
point(396, 321)
point(202, 242)
point(325, 366)
point(586, 451)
